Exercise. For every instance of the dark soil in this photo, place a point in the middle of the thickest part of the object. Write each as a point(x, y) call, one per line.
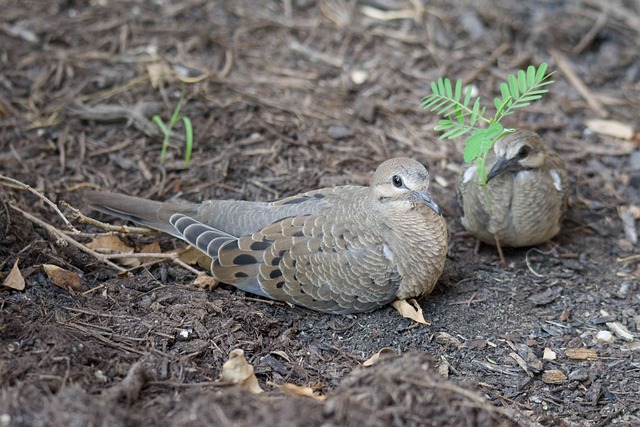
point(280, 110)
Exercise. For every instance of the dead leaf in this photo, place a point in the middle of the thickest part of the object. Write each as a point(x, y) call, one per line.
point(238, 371)
point(14, 280)
point(612, 128)
point(111, 244)
point(193, 256)
point(384, 352)
point(292, 390)
point(203, 281)
point(62, 278)
point(581, 353)
point(151, 248)
point(410, 309)
point(553, 376)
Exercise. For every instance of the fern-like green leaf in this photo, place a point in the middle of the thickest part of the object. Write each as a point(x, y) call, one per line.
point(457, 132)
point(447, 88)
point(522, 81)
point(441, 90)
point(540, 73)
point(481, 141)
point(531, 75)
point(467, 96)
point(445, 124)
point(521, 89)
point(475, 111)
point(513, 86)
point(446, 101)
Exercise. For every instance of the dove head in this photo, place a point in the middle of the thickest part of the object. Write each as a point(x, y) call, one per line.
point(401, 184)
point(517, 151)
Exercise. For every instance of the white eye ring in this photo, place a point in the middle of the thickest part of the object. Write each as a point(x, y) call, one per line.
point(396, 180)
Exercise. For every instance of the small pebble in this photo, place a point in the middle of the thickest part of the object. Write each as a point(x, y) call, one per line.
point(359, 76)
point(623, 290)
point(339, 132)
point(605, 336)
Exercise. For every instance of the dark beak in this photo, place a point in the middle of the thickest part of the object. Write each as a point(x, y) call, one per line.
point(502, 165)
point(424, 197)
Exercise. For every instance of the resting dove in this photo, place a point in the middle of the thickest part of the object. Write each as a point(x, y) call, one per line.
point(338, 250)
point(527, 186)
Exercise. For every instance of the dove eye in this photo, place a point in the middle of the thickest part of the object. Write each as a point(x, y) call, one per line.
point(397, 181)
point(524, 151)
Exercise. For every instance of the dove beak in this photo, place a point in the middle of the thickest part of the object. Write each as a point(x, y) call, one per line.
point(502, 165)
point(424, 197)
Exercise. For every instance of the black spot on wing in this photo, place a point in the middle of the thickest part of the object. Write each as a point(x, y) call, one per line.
point(241, 275)
point(245, 259)
point(276, 261)
point(318, 196)
point(275, 274)
point(231, 246)
point(280, 285)
point(261, 246)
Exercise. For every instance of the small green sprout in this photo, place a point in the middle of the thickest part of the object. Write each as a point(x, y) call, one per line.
point(168, 128)
point(461, 116)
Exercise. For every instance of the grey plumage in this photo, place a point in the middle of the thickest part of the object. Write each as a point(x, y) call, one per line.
point(528, 192)
point(338, 250)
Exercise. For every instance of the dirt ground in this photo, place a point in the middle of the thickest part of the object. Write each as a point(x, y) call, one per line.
point(287, 96)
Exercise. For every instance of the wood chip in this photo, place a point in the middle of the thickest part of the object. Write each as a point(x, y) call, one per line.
point(581, 353)
point(446, 339)
point(553, 376)
point(612, 128)
point(520, 361)
point(548, 354)
point(620, 331)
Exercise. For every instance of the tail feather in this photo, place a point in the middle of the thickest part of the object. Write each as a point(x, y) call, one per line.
point(147, 213)
point(202, 236)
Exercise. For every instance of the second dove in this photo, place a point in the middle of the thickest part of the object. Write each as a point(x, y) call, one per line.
point(527, 186)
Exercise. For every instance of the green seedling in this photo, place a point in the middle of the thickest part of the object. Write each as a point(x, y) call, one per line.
point(168, 128)
point(461, 116)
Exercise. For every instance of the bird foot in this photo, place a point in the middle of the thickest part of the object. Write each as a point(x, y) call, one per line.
point(499, 248)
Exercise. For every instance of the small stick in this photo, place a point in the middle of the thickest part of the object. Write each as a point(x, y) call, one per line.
point(41, 196)
point(578, 84)
point(485, 64)
point(63, 238)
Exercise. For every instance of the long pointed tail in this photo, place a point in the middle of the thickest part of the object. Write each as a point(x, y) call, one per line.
point(143, 212)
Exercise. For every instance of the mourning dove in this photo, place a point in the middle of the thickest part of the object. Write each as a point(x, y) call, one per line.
point(338, 250)
point(527, 187)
